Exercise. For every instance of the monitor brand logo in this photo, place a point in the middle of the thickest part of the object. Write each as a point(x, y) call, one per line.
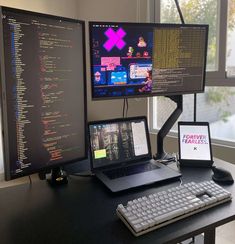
point(114, 39)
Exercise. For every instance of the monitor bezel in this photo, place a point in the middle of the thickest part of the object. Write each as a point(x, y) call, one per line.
point(4, 114)
point(97, 98)
point(118, 120)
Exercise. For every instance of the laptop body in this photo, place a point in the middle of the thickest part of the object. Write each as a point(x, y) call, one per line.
point(121, 156)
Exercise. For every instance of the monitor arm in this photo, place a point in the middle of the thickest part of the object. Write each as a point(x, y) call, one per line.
point(161, 154)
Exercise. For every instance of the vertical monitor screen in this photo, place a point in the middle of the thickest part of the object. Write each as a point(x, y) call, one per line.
point(118, 141)
point(133, 59)
point(43, 85)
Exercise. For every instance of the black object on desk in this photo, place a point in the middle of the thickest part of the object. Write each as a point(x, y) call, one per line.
point(222, 176)
point(84, 212)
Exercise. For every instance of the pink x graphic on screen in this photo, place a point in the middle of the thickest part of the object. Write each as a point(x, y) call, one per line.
point(114, 39)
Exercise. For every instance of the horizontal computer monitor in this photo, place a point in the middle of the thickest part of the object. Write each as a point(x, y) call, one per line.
point(43, 91)
point(144, 59)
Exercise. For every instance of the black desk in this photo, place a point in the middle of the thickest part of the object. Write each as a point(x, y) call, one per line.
point(84, 212)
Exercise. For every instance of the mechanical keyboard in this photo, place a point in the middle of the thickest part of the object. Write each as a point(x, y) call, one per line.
point(151, 212)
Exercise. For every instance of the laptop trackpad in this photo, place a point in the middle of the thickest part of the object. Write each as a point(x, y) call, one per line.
point(145, 177)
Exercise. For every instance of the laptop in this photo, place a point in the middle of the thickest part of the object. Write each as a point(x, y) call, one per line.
point(121, 156)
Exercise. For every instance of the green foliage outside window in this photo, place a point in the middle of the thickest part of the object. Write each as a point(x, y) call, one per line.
point(222, 98)
point(195, 12)
point(205, 12)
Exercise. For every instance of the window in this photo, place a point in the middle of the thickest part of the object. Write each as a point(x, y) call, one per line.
point(200, 12)
point(216, 104)
point(230, 62)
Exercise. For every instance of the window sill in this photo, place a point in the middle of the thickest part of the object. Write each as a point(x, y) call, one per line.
point(215, 142)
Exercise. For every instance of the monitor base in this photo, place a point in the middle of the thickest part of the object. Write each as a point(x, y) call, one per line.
point(57, 177)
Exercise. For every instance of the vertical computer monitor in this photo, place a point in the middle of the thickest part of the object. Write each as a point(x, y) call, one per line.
point(43, 91)
point(143, 59)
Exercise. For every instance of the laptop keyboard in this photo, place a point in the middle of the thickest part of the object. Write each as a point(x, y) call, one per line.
point(130, 170)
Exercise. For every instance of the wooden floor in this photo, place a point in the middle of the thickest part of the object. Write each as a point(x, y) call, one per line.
point(225, 234)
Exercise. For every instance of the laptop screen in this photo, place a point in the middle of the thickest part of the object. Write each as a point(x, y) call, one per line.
point(117, 141)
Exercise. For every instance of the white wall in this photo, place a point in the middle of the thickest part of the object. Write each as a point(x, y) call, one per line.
point(56, 7)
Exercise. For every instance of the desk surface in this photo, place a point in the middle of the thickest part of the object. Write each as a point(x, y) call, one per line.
point(84, 212)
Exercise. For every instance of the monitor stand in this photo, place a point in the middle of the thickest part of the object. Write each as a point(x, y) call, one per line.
point(161, 154)
point(57, 177)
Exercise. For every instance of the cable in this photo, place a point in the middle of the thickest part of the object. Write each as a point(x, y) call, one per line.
point(167, 161)
point(181, 181)
point(124, 107)
point(193, 240)
point(195, 107)
point(127, 106)
point(30, 180)
point(85, 174)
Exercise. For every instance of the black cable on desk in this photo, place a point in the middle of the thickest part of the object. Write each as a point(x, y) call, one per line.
point(86, 174)
point(30, 180)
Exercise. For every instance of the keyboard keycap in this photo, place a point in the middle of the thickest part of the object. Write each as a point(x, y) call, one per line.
point(148, 213)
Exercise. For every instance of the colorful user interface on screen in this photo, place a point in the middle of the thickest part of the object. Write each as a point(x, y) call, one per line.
point(130, 59)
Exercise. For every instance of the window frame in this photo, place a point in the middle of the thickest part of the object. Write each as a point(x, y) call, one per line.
point(213, 78)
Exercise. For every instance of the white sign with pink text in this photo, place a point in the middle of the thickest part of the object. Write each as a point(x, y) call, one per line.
point(194, 142)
